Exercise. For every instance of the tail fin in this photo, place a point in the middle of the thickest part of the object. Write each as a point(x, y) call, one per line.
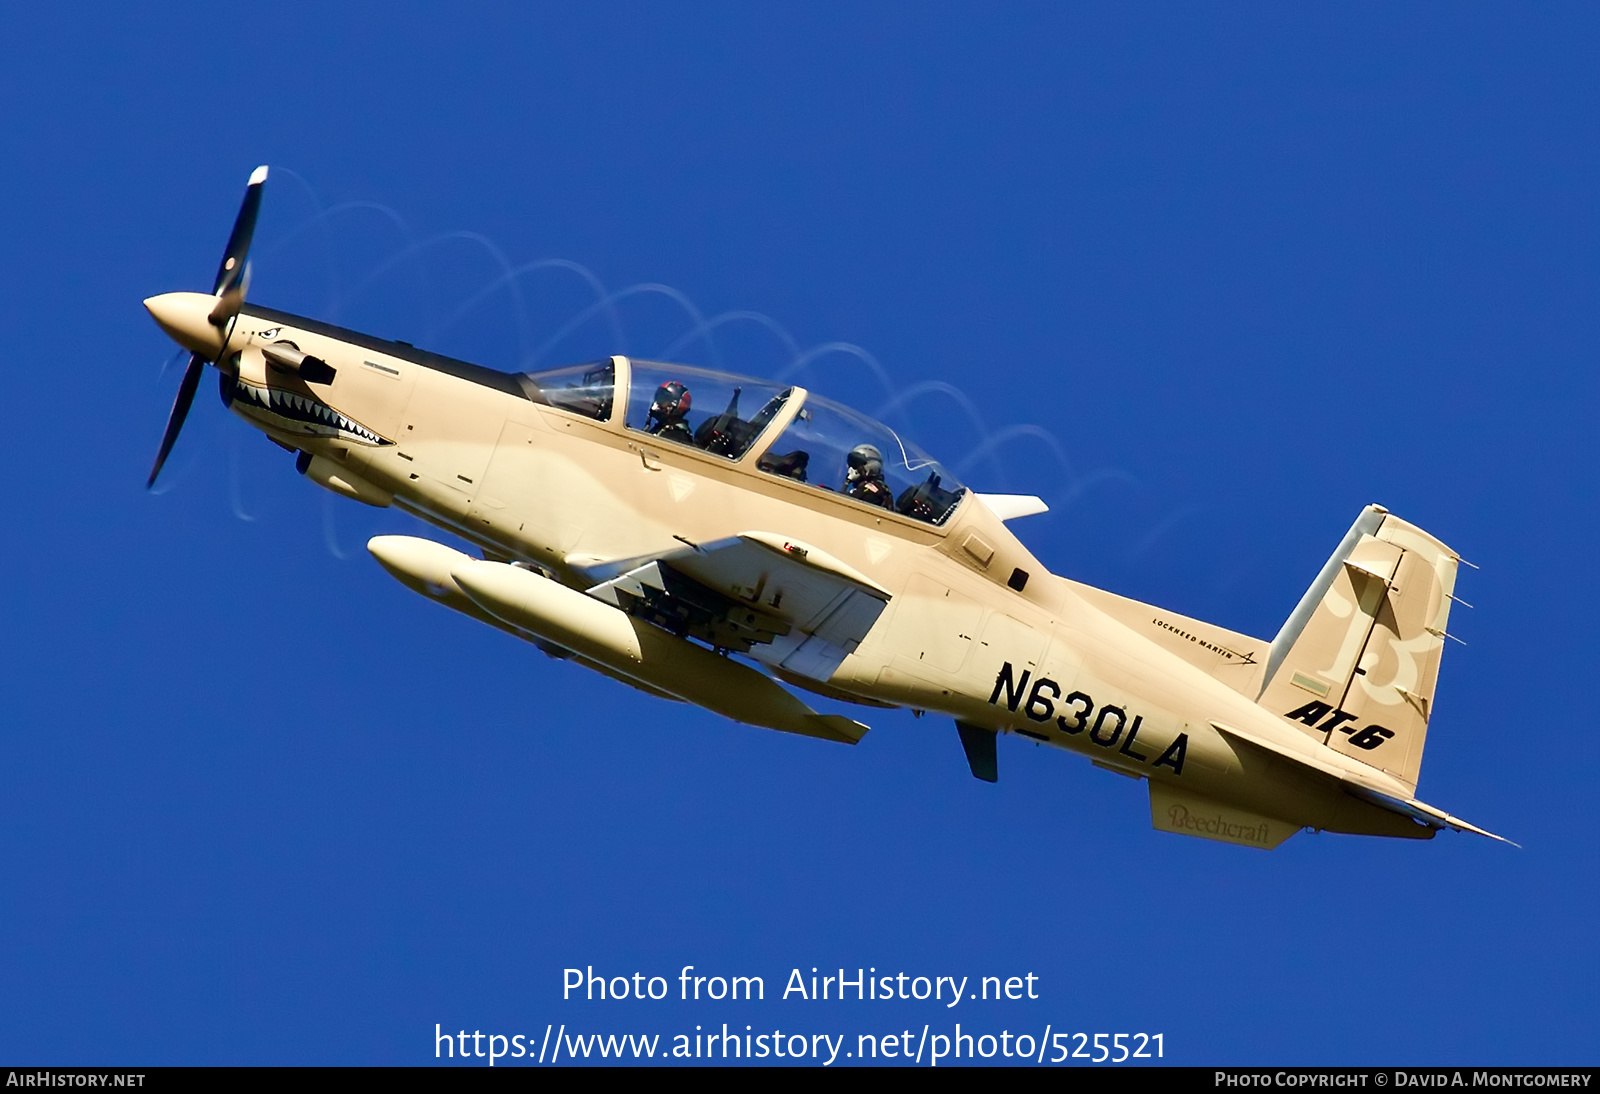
point(1356, 663)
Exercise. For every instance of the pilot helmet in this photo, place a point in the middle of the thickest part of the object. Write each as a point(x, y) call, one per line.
point(671, 402)
point(863, 462)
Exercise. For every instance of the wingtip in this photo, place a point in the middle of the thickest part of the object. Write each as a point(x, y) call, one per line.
point(259, 175)
point(837, 727)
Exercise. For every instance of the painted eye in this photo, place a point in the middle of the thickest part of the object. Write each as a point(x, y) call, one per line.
point(273, 333)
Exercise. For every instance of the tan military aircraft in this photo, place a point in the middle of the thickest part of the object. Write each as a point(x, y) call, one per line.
point(710, 538)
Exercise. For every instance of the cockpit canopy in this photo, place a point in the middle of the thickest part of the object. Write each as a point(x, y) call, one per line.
point(816, 448)
point(716, 413)
point(822, 443)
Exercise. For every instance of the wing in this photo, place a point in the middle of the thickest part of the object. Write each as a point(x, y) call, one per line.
point(781, 601)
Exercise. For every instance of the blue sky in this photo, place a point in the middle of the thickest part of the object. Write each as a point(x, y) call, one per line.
point(1208, 281)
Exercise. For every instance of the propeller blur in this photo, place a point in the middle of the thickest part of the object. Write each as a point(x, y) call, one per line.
point(227, 296)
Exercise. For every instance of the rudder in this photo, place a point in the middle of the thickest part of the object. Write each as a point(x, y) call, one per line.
point(1356, 664)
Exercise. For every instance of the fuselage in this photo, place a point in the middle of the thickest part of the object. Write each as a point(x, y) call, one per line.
point(976, 628)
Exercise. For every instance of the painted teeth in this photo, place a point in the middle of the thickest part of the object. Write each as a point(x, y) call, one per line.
point(298, 408)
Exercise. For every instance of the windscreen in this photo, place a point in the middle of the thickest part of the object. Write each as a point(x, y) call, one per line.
point(583, 389)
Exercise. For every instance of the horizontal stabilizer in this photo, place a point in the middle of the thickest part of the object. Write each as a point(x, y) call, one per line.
point(1399, 803)
point(1427, 814)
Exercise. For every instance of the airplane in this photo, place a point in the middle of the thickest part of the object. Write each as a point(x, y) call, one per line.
point(727, 541)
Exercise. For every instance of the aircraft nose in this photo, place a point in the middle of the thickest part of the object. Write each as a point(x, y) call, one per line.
point(184, 316)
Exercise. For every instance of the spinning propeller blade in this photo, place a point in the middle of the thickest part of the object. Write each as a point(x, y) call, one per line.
point(232, 282)
point(180, 411)
point(244, 226)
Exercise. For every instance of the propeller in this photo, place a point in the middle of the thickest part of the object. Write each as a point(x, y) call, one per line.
point(232, 282)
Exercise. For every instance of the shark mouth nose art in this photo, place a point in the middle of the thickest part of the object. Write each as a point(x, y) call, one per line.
point(302, 415)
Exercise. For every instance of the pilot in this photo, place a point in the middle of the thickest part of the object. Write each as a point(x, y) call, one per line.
point(863, 476)
point(669, 413)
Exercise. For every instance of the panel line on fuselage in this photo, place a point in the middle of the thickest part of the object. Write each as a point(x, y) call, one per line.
point(437, 362)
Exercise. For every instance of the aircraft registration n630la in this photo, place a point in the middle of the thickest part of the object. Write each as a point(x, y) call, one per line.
point(721, 540)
